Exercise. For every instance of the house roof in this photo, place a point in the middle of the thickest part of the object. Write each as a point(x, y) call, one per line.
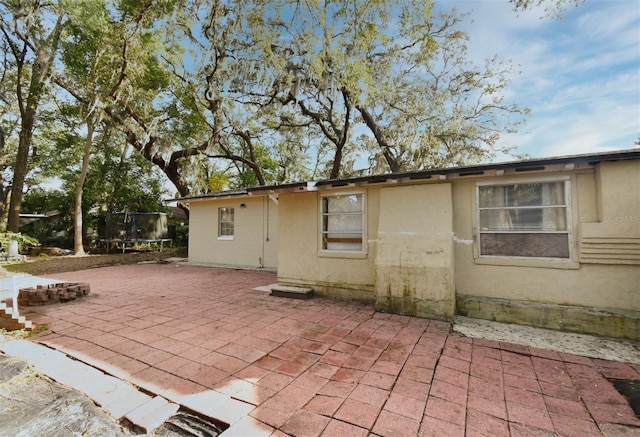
point(177, 212)
point(493, 169)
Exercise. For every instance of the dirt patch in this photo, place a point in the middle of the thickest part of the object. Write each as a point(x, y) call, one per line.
point(59, 264)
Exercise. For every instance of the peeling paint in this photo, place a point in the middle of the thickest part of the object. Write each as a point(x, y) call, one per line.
point(460, 240)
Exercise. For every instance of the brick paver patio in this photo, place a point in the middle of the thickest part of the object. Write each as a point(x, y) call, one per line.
point(203, 338)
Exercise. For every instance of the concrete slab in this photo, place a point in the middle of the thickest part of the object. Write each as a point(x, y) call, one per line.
point(123, 400)
point(291, 292)
point(578, 344)
point(135, 416)
point(157, 417)
point(33, 405)
point(249, 426)
point(206, 402)
point(115, 396)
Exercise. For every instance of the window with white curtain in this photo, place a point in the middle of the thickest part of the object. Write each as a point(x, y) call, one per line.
point(342, 218)
point(524, 219)
point(225, 223)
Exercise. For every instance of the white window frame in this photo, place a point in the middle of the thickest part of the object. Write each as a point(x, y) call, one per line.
point(222, 236)
point(555, 262)
point(338, 252)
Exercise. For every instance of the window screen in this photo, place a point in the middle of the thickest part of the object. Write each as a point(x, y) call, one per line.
point(526, 219)
point(225, 222)
point(342, 222)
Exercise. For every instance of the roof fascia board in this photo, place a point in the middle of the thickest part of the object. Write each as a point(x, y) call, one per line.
point(439, 174)
point(477, 170)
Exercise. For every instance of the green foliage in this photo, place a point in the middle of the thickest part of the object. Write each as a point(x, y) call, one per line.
point(242, 93)
point(247, 178)
point(57, 228)
point(218, 182)
point(179, 233)
point(59, 145)
point(122, 181)
point(117, 181)
point(393, 69)
point(155, 76)
point(23, 240)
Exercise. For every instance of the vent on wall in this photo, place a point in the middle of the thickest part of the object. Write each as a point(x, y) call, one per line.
point(524, 169)
point(610, 250)
point(610, 243)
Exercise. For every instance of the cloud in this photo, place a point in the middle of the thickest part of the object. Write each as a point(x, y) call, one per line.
point(580, 74)
point(556, 132)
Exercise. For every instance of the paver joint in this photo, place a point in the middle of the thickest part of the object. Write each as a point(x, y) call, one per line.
point(203, 338)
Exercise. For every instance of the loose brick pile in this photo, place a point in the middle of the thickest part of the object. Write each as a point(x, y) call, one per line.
point(52, 293)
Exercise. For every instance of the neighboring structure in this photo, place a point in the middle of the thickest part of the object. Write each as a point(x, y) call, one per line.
point(26, 218)
point(548, 242)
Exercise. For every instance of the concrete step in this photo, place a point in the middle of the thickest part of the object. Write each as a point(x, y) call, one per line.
point(291, 291)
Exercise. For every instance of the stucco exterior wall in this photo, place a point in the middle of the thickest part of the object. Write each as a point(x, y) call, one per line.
point(407, 266)
point(422, 241)
point(579, 282)
point(597, 291)
point(414, 261)
point(618, 193)
point(421, 253)
point(301, 262)
point(255, 240)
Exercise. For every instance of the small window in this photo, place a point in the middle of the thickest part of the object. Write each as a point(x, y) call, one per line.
point(342, 222)
point(524, 219)
point(225, 222)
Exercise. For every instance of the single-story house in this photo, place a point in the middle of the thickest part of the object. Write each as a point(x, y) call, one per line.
point(550, 242)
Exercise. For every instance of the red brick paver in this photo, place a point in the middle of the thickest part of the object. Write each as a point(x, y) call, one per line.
point(204, 338)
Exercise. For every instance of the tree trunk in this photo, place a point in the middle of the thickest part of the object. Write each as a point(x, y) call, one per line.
point(337, 163)
point(253, 161)
point(3, 199)
point(21, 167)
point(40, 71)
point(380, 139)
point(78, 247)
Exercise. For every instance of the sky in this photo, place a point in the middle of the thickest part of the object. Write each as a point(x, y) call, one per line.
point(579, 75)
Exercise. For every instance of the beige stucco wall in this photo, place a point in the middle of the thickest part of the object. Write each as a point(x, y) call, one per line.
point(414, 261)
point(300, 261)
point(421, 252)
point(583, 282)
point(417, 247)
point(618, 192)
point(254, 244)
point(408, 263)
